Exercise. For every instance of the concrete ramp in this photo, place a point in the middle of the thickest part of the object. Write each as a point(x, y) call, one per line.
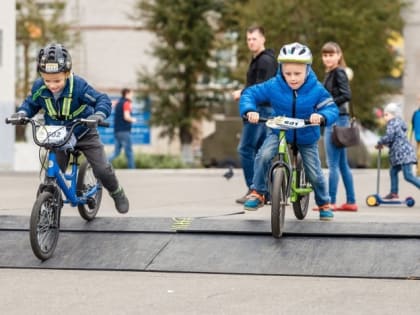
point(308, 248)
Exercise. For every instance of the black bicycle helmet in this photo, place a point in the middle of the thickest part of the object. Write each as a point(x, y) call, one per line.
point(54, 58)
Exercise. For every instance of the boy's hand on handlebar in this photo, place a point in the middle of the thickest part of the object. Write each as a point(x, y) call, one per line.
point(98, 118)
point(17, 118)
point(253, 117)
point(18, 115)
point(316, 119)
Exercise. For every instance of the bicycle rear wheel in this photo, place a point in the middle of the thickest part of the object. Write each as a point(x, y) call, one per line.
point(278, 201)
point(44, 224)
point(86, 180)
point(300, 207)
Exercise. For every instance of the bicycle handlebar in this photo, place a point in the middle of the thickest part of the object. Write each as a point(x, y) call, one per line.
point(266, 119)
point(75, 123)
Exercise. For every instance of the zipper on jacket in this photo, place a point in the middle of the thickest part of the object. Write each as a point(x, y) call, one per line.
point(294, 114)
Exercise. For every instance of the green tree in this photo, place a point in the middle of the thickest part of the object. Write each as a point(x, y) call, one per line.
point(185, 31)
point(38, 23)
point(362, 28)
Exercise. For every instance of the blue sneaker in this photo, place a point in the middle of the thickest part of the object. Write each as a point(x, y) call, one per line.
point(254, 201)
point(326, 214)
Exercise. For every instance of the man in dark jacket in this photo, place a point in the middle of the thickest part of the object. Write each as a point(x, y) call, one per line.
point(262, 67)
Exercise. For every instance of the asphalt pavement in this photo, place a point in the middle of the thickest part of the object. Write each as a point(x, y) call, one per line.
point(201, 193)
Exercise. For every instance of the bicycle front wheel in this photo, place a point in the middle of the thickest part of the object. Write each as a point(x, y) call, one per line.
point(44, 224)
point(86, 180)
point(300, 206)
point(278, 201)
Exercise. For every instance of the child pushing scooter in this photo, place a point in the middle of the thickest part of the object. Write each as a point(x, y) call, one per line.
point(401, 157)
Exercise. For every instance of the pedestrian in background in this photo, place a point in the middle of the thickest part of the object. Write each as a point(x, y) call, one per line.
point(401, 152)
point(123, 120)
point(337, 83)
point(415, 129)
point(262, 67)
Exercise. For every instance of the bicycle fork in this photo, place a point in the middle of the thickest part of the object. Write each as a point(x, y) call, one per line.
point(282, 161)
point(299, 186)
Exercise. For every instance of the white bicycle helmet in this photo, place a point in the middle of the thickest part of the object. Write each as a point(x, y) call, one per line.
point(296, 53)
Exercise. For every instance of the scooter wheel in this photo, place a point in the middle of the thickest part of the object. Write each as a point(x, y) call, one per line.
point(372, 201)
point(409, 201)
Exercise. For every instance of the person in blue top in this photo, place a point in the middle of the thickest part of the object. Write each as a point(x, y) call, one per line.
point(64, 97)
point(415, 130)
point(122, 127)
point(294, 92)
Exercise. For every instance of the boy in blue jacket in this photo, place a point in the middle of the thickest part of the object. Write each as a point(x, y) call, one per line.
point(64, 96)
point(294, 92)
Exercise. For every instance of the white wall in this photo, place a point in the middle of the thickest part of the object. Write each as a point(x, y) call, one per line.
point(411, 79)
point(111, 50)
point(7, 81)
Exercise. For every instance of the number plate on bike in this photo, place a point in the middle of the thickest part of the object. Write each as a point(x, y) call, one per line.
point(285, 122)
point(51, 134)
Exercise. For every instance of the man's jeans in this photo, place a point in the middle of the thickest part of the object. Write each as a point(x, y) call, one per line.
point(338, 164)
point(311, 164)
point(123, 140)
point(252, 138)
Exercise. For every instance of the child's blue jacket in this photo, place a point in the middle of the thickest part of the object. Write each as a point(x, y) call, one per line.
point(77, 100)
point(311, 97)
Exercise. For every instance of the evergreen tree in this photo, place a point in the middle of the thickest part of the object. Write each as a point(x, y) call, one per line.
point(185, 32)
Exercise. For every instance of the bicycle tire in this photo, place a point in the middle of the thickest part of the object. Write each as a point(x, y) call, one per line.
point(300, 207)
point(44, 226)
point(278, 201)
point(85, 181)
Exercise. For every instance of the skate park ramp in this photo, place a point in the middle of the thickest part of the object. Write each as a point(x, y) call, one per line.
point(205, 245)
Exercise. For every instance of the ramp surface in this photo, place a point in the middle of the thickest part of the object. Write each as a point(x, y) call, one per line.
point(308, 248)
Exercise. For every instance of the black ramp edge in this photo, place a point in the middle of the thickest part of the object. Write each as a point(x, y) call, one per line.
point(218, 253)
point(342, 257)
point(221, 226)
point(306, 227)
point(99, 224)
point(96, 251)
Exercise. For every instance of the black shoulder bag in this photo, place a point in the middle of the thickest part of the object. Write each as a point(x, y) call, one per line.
point(346, 136)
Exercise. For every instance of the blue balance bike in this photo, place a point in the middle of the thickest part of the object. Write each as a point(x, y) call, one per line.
point(76, 186)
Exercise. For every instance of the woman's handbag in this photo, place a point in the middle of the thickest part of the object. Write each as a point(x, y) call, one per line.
point(346, 136)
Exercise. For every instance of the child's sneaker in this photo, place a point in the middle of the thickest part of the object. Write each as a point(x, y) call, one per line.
point(391, 196)
point(120, 200)
point(326, 213)
point(333, 207)
point(254, 201)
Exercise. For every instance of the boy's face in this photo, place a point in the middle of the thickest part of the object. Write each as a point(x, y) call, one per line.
point(294, 74)
point(55, 82)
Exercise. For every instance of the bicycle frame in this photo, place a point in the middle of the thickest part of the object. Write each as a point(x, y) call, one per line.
point(54, 173)
point(289, 163)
